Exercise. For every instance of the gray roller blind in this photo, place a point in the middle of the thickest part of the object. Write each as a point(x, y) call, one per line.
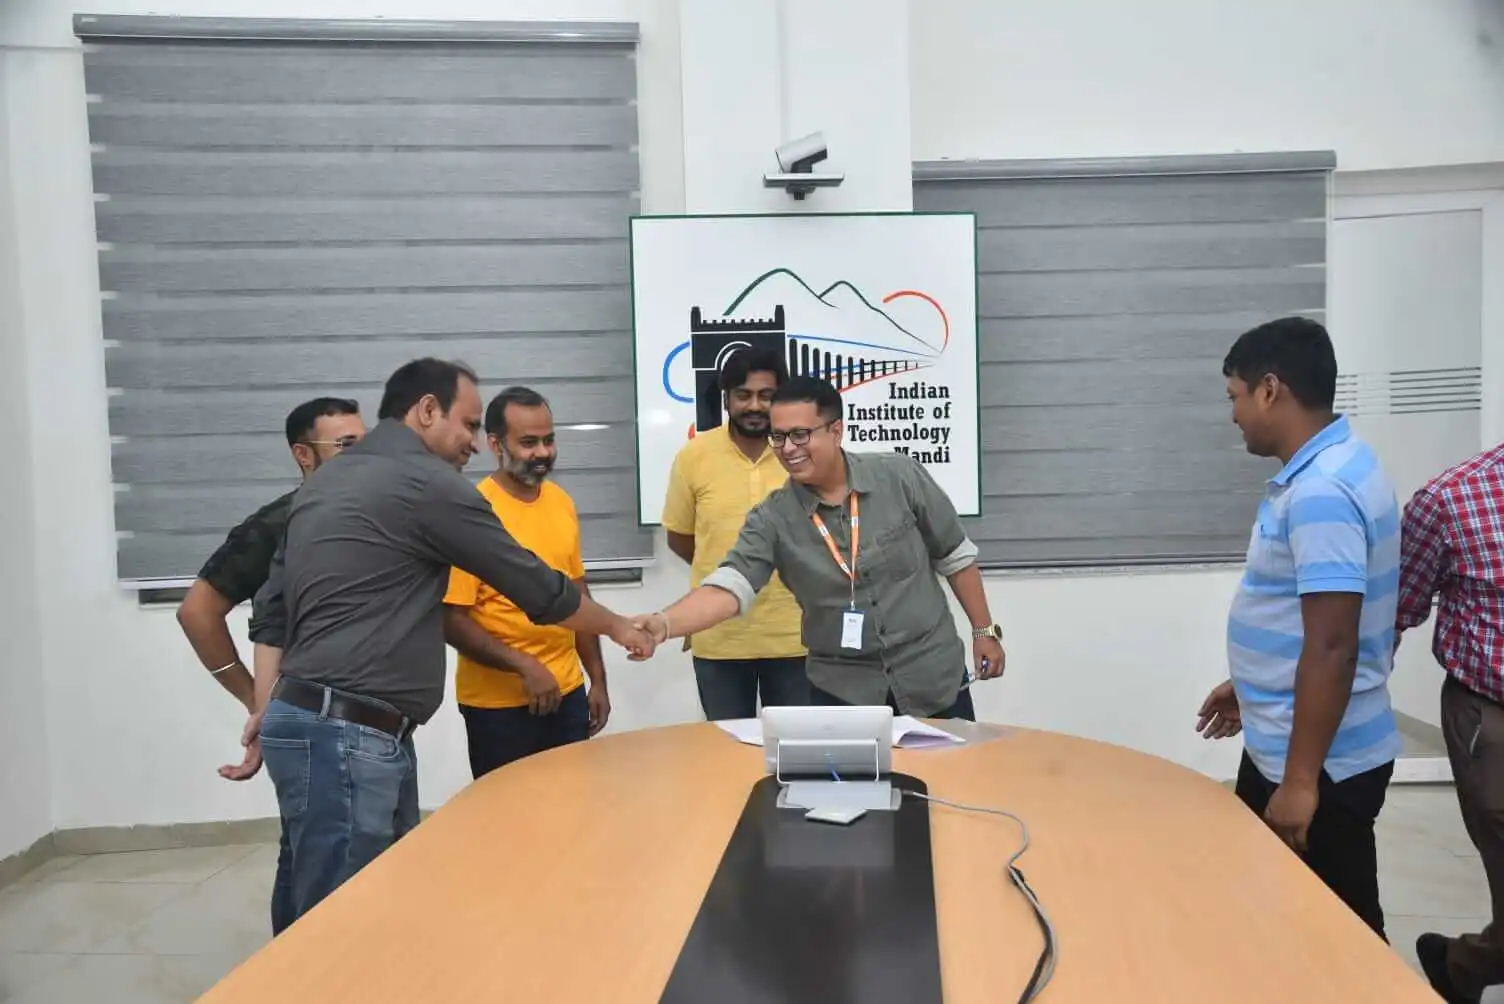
point(1109, 293)
point(294, 208)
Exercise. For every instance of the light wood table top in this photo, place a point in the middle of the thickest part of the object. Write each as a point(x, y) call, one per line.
point(575, 875)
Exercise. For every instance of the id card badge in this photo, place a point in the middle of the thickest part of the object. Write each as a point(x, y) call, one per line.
point(851, 629)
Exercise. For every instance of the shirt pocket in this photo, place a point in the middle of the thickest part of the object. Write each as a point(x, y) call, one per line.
point(1270, 525)
point(898, 549)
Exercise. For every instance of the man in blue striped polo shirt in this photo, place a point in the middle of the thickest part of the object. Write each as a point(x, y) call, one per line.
point(1310, 638)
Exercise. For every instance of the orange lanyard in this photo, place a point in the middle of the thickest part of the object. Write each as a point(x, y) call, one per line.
point(856, 542)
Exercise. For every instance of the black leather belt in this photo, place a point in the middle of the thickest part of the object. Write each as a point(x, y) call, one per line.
point(347, 707)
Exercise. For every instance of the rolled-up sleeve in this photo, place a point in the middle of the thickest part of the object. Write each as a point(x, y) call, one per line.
point(963, 556)
point(949, 548)
point(463, 529)
point(749, 565)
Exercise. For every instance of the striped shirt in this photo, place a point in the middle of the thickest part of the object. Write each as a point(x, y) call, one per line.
point(1329, 523)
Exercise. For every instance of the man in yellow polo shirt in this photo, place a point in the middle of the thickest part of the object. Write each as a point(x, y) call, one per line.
point(717, 477)
point(520, 685)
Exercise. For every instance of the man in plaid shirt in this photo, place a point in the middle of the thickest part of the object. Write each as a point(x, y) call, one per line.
point(1453, 546)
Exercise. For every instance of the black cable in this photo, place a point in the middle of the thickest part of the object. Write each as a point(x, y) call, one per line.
point(1044, 968)
point(1046, 954)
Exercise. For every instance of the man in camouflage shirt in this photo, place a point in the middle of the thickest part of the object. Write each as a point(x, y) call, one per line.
point(317, 431)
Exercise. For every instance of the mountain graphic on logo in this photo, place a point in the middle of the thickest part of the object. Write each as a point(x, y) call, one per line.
point(839, 312)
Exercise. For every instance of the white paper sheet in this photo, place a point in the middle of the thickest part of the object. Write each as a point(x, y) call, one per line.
point(908, 733)
point(911, 734)
point(743, 730)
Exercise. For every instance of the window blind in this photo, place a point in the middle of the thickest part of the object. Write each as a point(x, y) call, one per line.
point(288, 209)
point(1109, 292)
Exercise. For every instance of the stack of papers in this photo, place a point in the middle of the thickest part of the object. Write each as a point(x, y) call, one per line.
point(909, 733)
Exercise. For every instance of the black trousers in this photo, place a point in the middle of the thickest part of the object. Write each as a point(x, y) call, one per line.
point(729, 688)
point(1340, 845)
point(499, 736)
point(1474, 729)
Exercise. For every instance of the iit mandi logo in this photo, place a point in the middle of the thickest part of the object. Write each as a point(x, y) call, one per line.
point(837, 334)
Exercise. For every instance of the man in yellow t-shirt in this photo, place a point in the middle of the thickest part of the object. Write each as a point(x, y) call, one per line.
point(520, 685)
point(717, 477)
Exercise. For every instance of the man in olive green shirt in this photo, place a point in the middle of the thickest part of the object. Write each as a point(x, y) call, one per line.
point(861, 540)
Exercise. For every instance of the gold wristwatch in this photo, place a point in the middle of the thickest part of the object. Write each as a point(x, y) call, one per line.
point(990, 631)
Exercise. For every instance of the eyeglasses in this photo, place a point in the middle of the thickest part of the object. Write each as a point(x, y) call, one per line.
point(342, 443)
point(798, 437)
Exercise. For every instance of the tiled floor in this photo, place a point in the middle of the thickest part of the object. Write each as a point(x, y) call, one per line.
point(148, 927)
point(160, 927)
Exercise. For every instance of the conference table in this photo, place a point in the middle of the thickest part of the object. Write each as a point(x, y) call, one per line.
point(576, 876)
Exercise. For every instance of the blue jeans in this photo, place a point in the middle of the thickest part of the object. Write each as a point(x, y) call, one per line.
point(345, 793)
point(283, 913)
point(729, 687)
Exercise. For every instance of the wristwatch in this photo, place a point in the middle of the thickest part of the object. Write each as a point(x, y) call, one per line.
point(990, 631)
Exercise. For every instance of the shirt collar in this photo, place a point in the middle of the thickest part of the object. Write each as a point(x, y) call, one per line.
point(858, 473)
point(729, 444)
point(1338, 431)
point(390, 438)
point(858, 479)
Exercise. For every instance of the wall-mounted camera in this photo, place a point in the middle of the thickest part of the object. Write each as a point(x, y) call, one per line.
point(800, 156)
point(796, 161)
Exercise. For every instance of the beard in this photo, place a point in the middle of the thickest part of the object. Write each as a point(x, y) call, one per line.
point(757, 430)
point(527, 472)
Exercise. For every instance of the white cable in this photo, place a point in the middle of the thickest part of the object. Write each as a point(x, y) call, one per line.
point(1017, 876)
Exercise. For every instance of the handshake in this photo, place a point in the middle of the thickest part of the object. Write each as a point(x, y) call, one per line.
point(640, 635)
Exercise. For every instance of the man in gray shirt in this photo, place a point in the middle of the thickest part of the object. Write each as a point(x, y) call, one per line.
point(861, 540)
point(354, 605)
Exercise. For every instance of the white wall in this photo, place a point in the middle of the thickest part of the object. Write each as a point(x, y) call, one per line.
point(135, 730)
point(1386, 83)
point(773, 70)
point(25, 776)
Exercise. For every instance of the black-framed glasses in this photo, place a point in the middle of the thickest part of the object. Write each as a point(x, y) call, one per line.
point(798, 437)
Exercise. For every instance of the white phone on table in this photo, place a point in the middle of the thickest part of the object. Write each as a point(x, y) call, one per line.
point(842, 817)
